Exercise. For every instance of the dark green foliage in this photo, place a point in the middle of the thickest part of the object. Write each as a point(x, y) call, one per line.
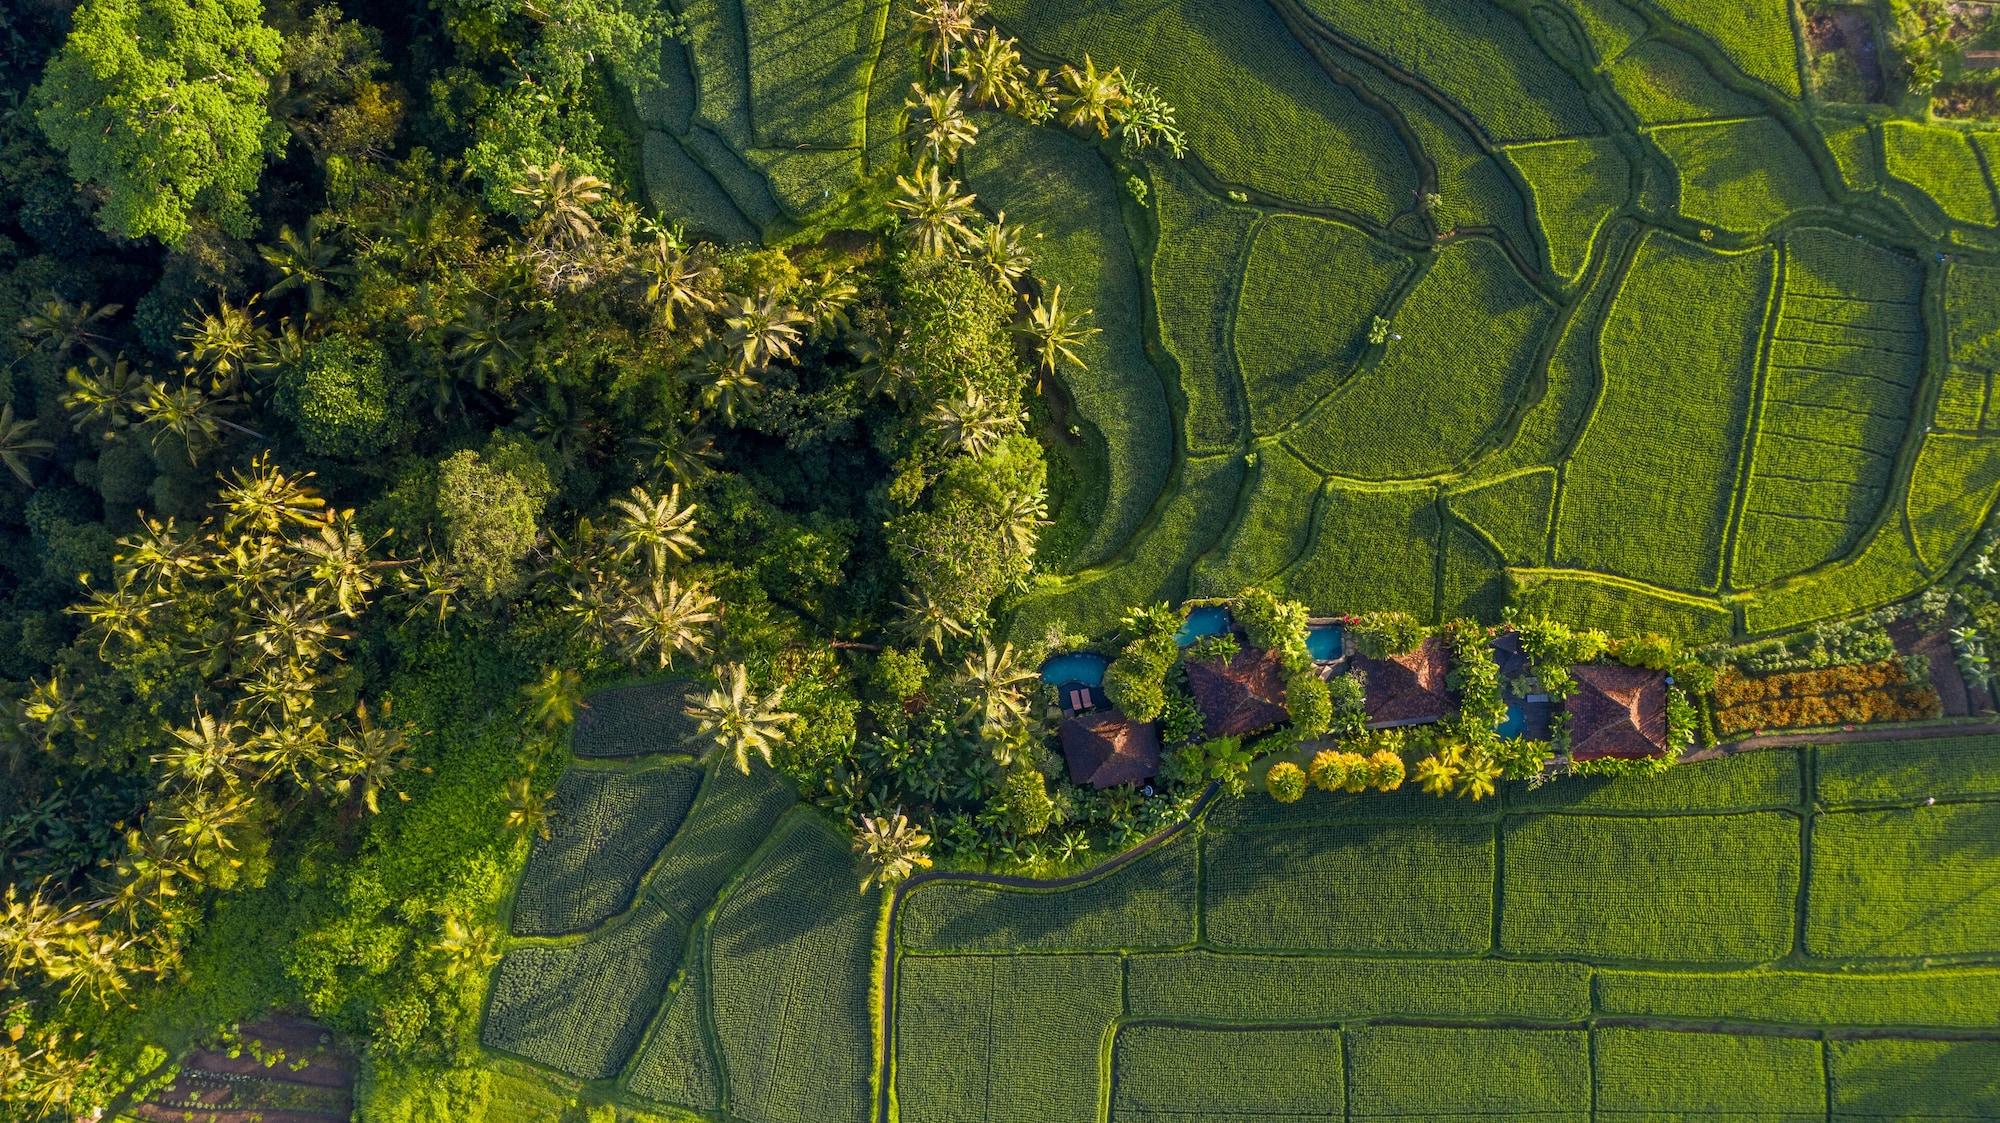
point(489, 505)
point(343, 399)
point(581, 1008)
point(605, 829)
point(1135, 682)
point(1379, 635)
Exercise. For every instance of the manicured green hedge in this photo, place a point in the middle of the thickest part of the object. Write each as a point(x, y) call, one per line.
point(1698, 889)
point(1577, 184)
point(789, 961)
point(1149, 902)
point(1170, 1074)
point(1299, 337)
point(1648, 492)
point(1665, 1076)
point(1909, 882)
point(1410, 888)
point(581, 1007)
point(605, 829)
point(1421, 1072)
point(1470, 330)
point(1206, 986)
point(993, 1039)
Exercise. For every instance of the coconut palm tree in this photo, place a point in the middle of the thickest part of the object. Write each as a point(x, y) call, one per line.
point(183, 412)
point(677, 456)
point(486, 343)
point(666, 620)
point(1438, 773)
point(1088, 98)
point(305, 263)
point(996, 687)
point(736, 721)
point(939, 26)
point(555, 698)
point(891, 849)
point(561, 205)
point(654, 528)
point(969, 422)
point(939, 123)
point(1022, 518)
point(223, 343)
point(341, 562)
point(925, 621)
point(998, 249)
point(265, 500)
point(63, 327)
point(676, 281)
point(119, 612)
point(365, 759)
point(993, 71)
point(1478, 775)
point(18, 444)
point(936, 217)
point(827, 303)
point(729, 389)
point(468, 947)
point(761, 332)
point(1058, 331)
point(527, 808)
point(103, 397)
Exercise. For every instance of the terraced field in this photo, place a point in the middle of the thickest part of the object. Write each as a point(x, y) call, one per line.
point(1531, 196)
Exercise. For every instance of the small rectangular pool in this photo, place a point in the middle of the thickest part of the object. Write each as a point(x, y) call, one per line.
point(1324, 642)
point(1206, 620)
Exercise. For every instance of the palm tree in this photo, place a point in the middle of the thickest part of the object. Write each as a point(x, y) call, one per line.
point(970, 422)
point(468, 948)
point(115, 613)
point(737, 721)
point(63, 327)
point(925, 621)
point(891, 848)
point(306, 263)
point(936, 216)
point(184, 412)
point(827, 302)
point(1477, 776)
point(555, 698)
point(202, 752)
point(665, 620)
point(18, 443)
point(1437, 774)
point(938, 120)
point(1088, 98)
point(527, 808)
point(161, 556)
point(676, 282)
point(729, 389)
point(655, 527)
point(486, 343)
point(104, 396)
point(365, 760)
point(761, 332)
point(225, 342)
point(996, 687)
point(677, 456)
point(993, 71)
point(1058, 331)
point(266, 501)
point(51, 709)
point(940, 25)
point(560, 204)
point(340, 562)
point(998, 248)
point(1022, 518)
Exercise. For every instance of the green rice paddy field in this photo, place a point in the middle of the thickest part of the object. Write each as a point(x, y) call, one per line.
point(1786, 934)
point(1736, 339)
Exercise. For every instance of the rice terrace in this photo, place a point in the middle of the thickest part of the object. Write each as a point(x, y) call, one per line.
point(1000, 561)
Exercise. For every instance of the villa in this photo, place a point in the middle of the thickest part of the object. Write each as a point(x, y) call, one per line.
point(1617, 711)
point(1106, 748)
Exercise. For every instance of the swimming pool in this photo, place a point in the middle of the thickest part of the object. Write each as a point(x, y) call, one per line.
point(1516, 723)
point(1323, 640)
point(1075, 666)
point(1207, 620)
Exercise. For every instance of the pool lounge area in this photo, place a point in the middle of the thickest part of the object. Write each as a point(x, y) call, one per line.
point(1078, 677)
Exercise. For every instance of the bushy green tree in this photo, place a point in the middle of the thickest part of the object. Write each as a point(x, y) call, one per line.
point(341, 397)
point(1285, 781)
point(1026, 798)
point(1274, 624)
point(1136, 680)
point(1309, 702)
point(1379, 635)
point(162, 106)
point(489, 506)
point(954, 332)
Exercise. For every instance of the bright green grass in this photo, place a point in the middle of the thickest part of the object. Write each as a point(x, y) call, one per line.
point(675, 1065)
point(1648, 492)
point(1914, 1081)
point(1470, 330)
point(1309, 292)
point(1972, 311)
point(1195, 269)
point(1255, 105)
point(1001, 1038)
point(1939, 162)
point(1610, 25)
point(1708, 888)
point(1840, 379)
point(1577, 184)
point(1420, 1072)
point(1060, 188)
point(1742, 175)
point(1908, 882)
point(1755, 34)
point(1747, 782)
point(1512, 512)
point(1666, 1077)
point(1295, 888)
point(732, 815)
point(1855, 149)
point(1664, 84)
point(1950, 495)
point(580, 1008)
point(1159, 563)
point(1473, 584)
point(1474, 53)
point(1149, 902)
point(1171, 1074)
point(808, 70)
point(1947, 999)
point(1878, 771)
point(605, 829)
point(1370, 550)
point(1886, 569)
point(1592, 601)
point(789, 961)
point(1205, 986)
point(1270, 528)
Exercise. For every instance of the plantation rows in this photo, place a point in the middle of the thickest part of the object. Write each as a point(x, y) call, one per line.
point(1784, 934)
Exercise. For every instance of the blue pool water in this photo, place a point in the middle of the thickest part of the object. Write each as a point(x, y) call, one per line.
point(1076, 666)
point(1323, 640)
point(1208, 620)
point(1516, 723)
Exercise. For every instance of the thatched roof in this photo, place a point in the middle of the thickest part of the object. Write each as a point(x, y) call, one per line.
point(1241, 696)
point(1106, 748)
point(1509, 655)
point(1407, 689)
point(1617, 711)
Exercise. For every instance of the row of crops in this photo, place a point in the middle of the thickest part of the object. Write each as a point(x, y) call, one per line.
point(1784, 934)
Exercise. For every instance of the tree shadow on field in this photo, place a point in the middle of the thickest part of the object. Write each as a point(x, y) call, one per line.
point(1900, 1079)
point(605, 830)
point(582, 1008)
point(1103, 914)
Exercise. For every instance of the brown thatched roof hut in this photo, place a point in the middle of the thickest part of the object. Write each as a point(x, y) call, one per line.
point(1407, 689)
point(1241, 696)
point(1106, 748)
point(1617, 711)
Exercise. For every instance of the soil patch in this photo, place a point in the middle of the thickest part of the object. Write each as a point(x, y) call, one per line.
point(282, 1069)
